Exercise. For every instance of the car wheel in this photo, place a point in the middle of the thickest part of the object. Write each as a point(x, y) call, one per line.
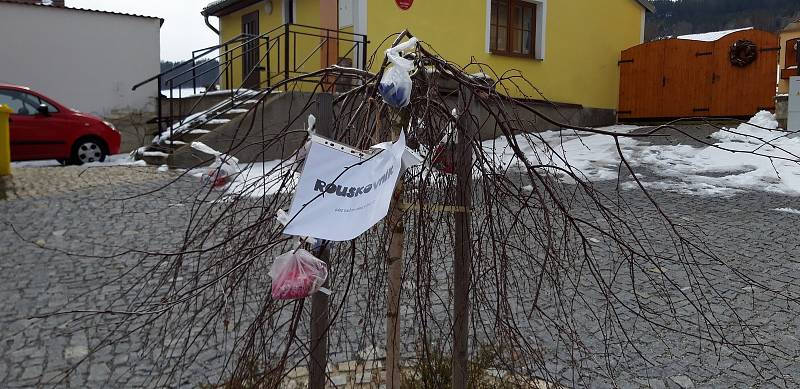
point(87, 151)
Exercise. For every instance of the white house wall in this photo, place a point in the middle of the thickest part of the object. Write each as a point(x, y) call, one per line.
point(86, 60)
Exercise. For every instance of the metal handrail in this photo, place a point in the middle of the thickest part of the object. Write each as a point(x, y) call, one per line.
point(236, 48)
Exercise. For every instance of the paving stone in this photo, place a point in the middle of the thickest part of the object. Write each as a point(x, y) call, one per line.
point(754, 240)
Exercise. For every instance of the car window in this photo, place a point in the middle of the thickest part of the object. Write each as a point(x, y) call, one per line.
point(24, 103)
point(21, 103)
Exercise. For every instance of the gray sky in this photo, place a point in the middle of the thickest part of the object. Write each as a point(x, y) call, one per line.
point(183, 31)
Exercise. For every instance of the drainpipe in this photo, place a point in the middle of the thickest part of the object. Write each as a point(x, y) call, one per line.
point(211, 26)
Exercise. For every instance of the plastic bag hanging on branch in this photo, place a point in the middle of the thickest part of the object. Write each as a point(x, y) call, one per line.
point(395, 86)
point(296, 275)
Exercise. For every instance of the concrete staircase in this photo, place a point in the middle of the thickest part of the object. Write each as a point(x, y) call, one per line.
point(182, 133)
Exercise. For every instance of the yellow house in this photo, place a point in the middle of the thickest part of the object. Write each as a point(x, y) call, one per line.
point(569, 49)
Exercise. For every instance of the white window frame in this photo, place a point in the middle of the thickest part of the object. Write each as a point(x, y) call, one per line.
point(541, 27)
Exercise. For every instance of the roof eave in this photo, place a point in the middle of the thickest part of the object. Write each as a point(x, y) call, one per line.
point(222, 8)
point(647, 5)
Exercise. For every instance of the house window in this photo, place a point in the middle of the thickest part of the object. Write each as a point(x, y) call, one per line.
point(512, 28)
point(791, 53)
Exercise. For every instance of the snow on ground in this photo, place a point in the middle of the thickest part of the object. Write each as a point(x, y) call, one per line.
point(592, 157)
point(218, 121)
point(725, 168)
point(788, 210)
point(264, 178)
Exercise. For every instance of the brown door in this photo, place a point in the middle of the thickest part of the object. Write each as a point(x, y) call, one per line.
point(744, 90)
point(251, 70)
point(642, 81)
point(687, 78)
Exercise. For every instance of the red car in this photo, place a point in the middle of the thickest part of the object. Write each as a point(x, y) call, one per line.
point(41, 128)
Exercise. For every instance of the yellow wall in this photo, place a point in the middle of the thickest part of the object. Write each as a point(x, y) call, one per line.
point(231, 26)
point(584, 40)
point(783, 84)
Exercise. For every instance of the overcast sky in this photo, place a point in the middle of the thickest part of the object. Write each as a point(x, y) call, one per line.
point(183, 31)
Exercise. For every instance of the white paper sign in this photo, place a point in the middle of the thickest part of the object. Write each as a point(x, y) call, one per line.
point(340, 195)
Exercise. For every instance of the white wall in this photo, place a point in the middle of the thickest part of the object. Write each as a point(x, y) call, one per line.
point(85, 60)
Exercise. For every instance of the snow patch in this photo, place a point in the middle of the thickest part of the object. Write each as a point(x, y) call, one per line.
point(261, 179)
point(218, 121)
point(788, 210)
point(711, 36)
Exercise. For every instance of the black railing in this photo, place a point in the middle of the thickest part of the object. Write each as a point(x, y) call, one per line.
point(283, 53)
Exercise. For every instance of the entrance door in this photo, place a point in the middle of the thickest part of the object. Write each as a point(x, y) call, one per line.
point(251, 70)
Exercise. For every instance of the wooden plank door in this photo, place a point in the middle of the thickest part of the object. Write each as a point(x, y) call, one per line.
point(641, 81)
point(251, 70)
point(686, 79)
point(743, 91)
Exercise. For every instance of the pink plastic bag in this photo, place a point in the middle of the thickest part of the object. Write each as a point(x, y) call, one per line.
point(297, 275)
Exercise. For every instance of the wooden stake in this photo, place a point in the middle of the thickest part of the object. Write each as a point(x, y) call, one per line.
point(320, 310)
point(462, 261)
point(395, 276)
point(395, 287)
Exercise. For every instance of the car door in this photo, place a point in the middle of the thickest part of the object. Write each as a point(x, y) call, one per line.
point(34, 135)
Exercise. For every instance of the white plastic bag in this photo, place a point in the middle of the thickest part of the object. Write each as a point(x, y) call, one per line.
point(222, 172)
point(296, 275)
point(395, 86)
point(224, 169)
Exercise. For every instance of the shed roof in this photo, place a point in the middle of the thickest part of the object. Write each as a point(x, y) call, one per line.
point(79, 9)
point(224, 7)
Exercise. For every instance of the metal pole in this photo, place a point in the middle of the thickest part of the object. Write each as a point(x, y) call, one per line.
point(194, 75)
point(320, 309)
point(462, 260)
point(269, 67)
point(171, 114)
point(159, 109)
point(286, 52)
point(5, 140)
point(364, 53)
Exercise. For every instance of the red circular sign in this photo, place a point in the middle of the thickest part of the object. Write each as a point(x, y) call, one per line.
point(404, 4)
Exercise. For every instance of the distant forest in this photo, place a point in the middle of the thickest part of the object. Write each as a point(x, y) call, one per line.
point(207, 71)
point(681, 17)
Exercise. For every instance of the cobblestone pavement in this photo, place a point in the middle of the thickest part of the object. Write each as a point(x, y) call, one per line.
point(38, 276)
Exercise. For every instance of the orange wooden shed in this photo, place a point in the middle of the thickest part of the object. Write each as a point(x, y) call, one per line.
point(720, 74)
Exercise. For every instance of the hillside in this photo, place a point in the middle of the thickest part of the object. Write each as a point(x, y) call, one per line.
point(207, 73)
point(679, 17)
